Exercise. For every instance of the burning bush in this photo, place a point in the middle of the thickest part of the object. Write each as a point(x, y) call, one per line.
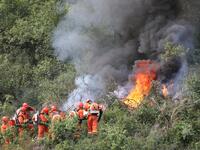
point(144, 74)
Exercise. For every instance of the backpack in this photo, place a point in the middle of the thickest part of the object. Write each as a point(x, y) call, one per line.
point(16, 115)
point(36, 118)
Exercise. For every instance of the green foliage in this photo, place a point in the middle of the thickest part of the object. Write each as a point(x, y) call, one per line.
point(7, 109)
point(180, 132)
point(194, 85)
point(29, 30)
point(64, 130)
point(171, 51)
point(193, 57)
point(146, 115)
point(31, 73)
point(53, 79)
point(29, 70)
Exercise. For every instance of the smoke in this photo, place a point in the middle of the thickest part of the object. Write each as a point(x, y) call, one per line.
point(87, 86)
point(103, 37)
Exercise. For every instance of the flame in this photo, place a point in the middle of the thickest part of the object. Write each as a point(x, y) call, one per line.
point(167, 88)
point(164, 90)
point(143, 77)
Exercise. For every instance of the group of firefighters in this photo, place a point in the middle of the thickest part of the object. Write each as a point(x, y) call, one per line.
point(23, 122)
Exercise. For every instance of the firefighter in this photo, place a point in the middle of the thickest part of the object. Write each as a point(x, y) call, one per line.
point(22, 121)
point(80, 114)
point(13, 129)
point(72, 114)
point(92, 119)
point(55, 118)
point(63, 115)
point(29, 109)
point(43, 123)
point(27, 114)
point(87, 105)
point(5, 128)
point(35, 120)
point(55, 114)
point(12, 123)
point(89, 101)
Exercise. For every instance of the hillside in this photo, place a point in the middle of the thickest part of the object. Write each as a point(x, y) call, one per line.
point(140, 59)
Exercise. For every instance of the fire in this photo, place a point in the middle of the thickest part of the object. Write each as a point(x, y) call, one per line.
point(167, 89)
point(144, 75)
point(164, 90)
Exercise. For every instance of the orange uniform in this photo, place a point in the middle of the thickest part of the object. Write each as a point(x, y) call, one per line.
point(92, 120)
point(12, 123)
point(4, 128)
point(22, 122)
point(23, 118)
point(56, 117)
point(80, 115)
point(43, 123)
point(80, 111)
point(29, 109)
point(55, 114)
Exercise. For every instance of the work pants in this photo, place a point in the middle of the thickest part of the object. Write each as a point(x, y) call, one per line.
point(92, 124)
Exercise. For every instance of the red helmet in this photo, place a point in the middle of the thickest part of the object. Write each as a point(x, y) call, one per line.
point(45, 110)
point(12, 122)
point(4, 119)
point(23, 109)
point(25, 105)
point(88, 101)
point(53, 108)
point(80, 105)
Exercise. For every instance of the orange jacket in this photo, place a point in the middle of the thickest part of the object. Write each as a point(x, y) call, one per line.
point(80, 113)
point(43, 119)
point(22, 118)
point(51, 114)
point(11, 123)
point(94, 109)
point(55, 116)
point(42, 125)
point(4, 127)
point(87, 106)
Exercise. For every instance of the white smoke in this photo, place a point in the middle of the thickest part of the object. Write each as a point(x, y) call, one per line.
point(87, 89)
point(102, 37)
point(122, 91)
point(179, 86)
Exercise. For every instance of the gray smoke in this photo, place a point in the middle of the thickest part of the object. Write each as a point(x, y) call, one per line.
point(103, 37)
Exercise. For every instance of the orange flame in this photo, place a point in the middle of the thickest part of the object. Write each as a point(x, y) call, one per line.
point(144, 75)
point(164, 90)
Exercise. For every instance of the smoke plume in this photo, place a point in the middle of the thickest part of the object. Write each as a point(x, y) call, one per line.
point(102, 38)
